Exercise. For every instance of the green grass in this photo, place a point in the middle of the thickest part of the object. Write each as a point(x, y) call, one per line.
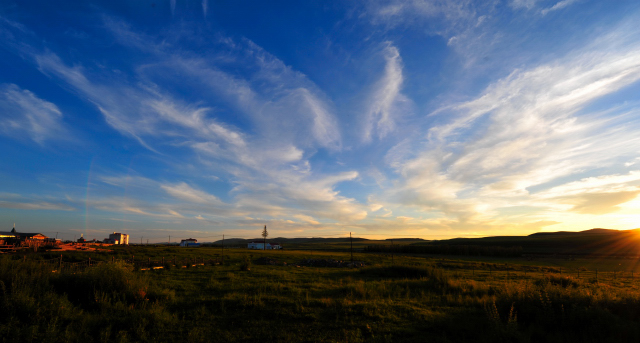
point(418, 299)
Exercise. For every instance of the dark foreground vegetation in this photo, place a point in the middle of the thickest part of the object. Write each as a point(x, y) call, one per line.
point(418, 299)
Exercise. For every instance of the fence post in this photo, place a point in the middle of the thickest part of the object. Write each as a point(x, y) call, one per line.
point(149, 261)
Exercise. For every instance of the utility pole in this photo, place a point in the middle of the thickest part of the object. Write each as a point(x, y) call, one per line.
point(56, 235)
point(351, 240)
point(147, 241)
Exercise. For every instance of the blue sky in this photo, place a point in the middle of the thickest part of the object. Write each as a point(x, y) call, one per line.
point(429, 119)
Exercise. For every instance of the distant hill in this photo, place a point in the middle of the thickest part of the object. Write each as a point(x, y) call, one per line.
point(586, 232)
point(602, 242)
point(597, 242)
point(405, 239)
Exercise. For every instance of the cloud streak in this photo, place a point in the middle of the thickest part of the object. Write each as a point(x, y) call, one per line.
point(25, 114)
point(19, 202)
point(386, 99)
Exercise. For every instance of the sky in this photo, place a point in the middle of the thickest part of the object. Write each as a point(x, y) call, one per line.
point(417, 118)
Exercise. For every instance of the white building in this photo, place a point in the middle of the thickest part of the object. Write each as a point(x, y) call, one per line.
point(260, 246)
point(118, 238)
point(190, 242)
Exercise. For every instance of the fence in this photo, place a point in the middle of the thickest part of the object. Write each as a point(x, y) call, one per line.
point(59, 265)
point(458, 268)
point(523, 272)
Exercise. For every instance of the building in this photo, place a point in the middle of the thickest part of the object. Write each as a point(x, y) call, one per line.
point(190, 242)
point(22, 236)
point(7, 237)
point(28, 239)
point(260, 246)
point(118, 238)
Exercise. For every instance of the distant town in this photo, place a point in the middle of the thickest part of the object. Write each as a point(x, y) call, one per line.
point(15, 240)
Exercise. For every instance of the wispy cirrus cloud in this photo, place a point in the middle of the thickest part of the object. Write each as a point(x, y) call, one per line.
point(446, 15)
point(386, 101)
point(558, 6)
point(25, 114)
point(236, 137)
point(185, 192)
point(527, 130)
point(205, 7)
point(535, 5)
point(21, 202)
point(284, 107)
point(527, 4)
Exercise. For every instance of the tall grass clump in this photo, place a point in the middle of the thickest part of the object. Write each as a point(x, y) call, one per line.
point(115, 282)
point(108, 301)
point(29, 307)
point(571, 310)
point(246, 263)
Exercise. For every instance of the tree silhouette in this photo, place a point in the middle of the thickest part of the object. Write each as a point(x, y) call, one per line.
point(264, 235)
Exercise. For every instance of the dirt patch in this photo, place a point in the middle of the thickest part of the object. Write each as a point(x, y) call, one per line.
point(76, 247)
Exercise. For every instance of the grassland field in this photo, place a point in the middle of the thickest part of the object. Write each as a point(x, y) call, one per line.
point(399, 298)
